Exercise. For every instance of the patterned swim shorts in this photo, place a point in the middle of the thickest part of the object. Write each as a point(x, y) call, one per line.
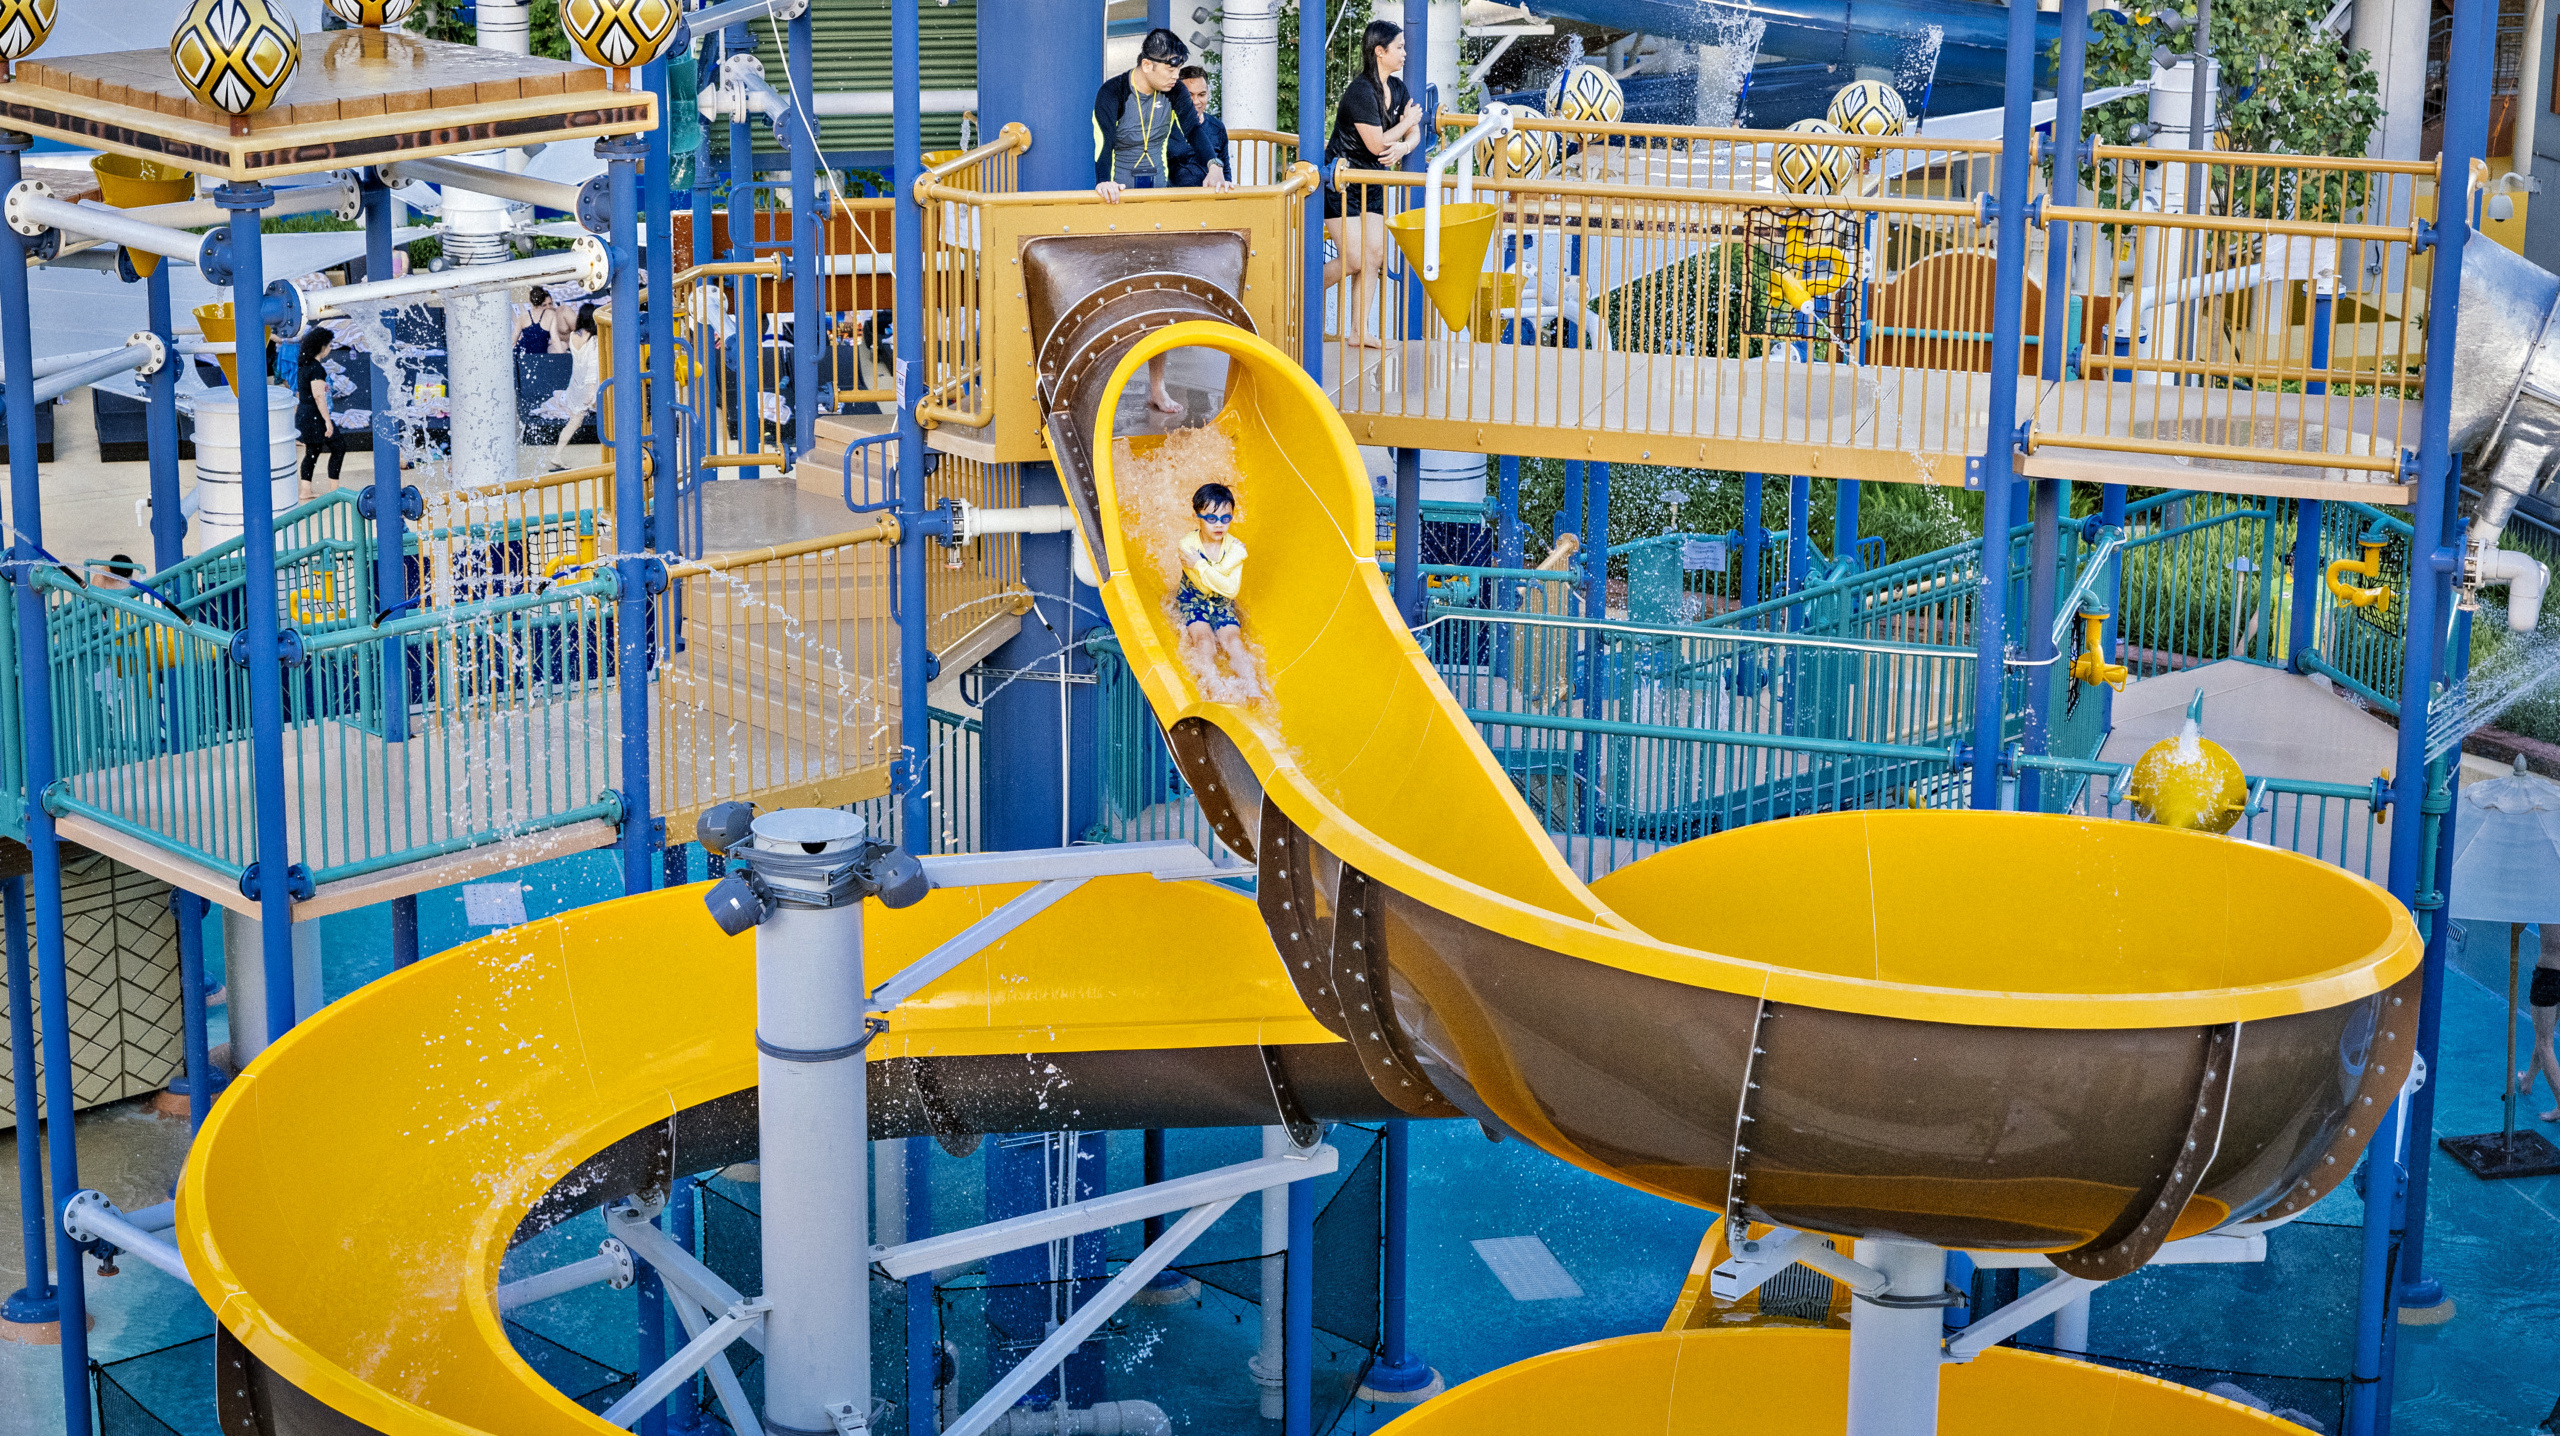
point(1208, 608)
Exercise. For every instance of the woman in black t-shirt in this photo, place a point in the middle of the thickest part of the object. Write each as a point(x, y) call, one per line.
point(1375, 126)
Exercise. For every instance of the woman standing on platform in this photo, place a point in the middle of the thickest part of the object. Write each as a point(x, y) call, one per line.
point(321, 413)
point(1375, 125)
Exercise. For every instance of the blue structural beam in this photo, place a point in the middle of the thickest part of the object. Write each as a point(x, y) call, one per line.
point(1040, 729)
point(35, 696)
point(811, 345)
point(1314, 127)
point(746, 361)
point(390, 530)
point(1842, 33)
point(2435, 553)
point(1991, 473)
point(912, 777)
point(636, 571)
point(657, 199)
point(1507, 536)
point(33, 1301)
point(160, 431)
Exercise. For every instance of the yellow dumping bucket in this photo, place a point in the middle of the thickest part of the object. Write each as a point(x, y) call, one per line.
point(129, 183)
point(1465, 231)
point(215, 321)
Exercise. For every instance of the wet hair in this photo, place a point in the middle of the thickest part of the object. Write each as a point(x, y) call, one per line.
point(315, 344)
point(1209, 496)
point(539, 295)
point(1379, 35)
point(1163, 46)
point(1193, 72)
point(586, 319)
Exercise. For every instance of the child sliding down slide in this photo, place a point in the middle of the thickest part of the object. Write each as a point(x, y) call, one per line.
point(1212, 575)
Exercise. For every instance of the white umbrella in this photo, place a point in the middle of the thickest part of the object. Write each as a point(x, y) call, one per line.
point(2506, 868)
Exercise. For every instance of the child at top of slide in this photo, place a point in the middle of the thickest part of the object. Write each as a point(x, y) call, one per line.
point(1212, 576)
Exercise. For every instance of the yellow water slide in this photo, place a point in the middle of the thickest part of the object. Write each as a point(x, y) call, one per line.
point(351, 1197)
point(1982, 1030)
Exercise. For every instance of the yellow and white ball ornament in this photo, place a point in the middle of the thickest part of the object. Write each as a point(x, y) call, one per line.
point(1526, 154)
point(24, 24)
point(1586, 93)
point(236, 55)
point(372, 14)
point(1870, 107)
point(620, 35)
point(1812, 169)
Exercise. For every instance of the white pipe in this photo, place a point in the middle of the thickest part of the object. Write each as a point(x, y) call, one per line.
point(1893, 1351)
point(2057, 1294)
point(813, 1134)
point(506, 26)
point(1249, 64)
point(161, 1218)
point(339, 196)
point(2525, 576)
point(1496, 124)
point(478, 179)
point(1269, 1364)
point(610, 1265)
point(31, 209)
point(89, 1216)
point(874, 103)
point(971, 524)
point(1102, 1418)
point(243, 937)
point(586, 262)
point(138, 357)
point(2071, 1325)
point(480, 330)
point(694, 1355)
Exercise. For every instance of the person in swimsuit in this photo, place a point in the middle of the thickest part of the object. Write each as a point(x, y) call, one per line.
point(2546, 1017)
point(1212, 576)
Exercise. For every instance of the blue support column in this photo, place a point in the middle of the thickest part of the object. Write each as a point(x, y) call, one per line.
point(189, 910)
point(1595, 539)
point(277, 878)
point(1506, 544)
point(2367, 1412)
point(1399, 1368)
point(2111, 503)
point(1041, 733)
point(649, 1350)
point(636, 571)
point(684, 1205)
point(2069, 85)
point(160, 432)
point(2302, 633)
point(33, 1302)
point(810, 345)
point(1844, 520)
point(1799, 539)
point(2434, 553)
point(390, 537)
point(1408, 575)
point(746, 356)
point(912, 777)
point(1755, 536)
point(2045, 502)
point(1569, 507)
point(1314, 127)
point(660, 256)
point(1298, 1322)
point(1992, 472)
point(404, 931)
point(35, 695)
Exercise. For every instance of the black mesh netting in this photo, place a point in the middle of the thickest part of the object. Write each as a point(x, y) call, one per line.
point(169, 1392)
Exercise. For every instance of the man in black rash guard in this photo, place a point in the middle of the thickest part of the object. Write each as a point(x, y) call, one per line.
point(1143, 122)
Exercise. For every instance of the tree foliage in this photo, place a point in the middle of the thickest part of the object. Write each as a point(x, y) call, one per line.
point(2287, 86)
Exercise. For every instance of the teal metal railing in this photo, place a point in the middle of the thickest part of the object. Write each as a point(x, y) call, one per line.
point(407, 736)
point(954, 762)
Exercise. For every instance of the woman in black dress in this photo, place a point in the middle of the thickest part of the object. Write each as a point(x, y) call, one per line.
point(1375, 125)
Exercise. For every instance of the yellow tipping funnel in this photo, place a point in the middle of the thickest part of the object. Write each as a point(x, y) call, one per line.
point(129, 183)
point(215, 321)
point(1465, 230)
point(2190, 782)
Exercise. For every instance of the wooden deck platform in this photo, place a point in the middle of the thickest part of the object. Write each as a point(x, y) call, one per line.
point(360, 97)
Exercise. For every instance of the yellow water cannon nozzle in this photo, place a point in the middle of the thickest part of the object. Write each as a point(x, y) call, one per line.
point(2092, 666)
point(2378, 598)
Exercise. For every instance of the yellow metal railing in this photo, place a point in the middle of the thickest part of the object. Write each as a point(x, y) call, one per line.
point(478, 543)
point(953, 195)
point(1262, 157)
point(729, 381)
point(776, 676)
point(2198, 319)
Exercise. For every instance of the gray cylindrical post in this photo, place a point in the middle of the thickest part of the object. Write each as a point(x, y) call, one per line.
point(812, 1123)
point(1893, 1351)
point(1269, 1363)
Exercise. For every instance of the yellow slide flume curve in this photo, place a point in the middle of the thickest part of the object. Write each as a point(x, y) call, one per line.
point(1613, 1027)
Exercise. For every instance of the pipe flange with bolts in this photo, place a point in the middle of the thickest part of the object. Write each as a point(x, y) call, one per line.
point(159, 351)
point(350, 205)
point(15, 208)
point(595, 264)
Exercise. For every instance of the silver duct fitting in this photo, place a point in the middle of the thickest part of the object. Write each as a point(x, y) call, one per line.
point(2506, 414)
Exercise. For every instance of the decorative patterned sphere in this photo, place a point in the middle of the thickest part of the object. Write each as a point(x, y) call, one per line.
point(1527, 153)
point(24, 24)
point(236, 55)
point(1584, 92)
point(372, 14)
point(1870, 107)
point(620, 34)
point(1812, 169)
